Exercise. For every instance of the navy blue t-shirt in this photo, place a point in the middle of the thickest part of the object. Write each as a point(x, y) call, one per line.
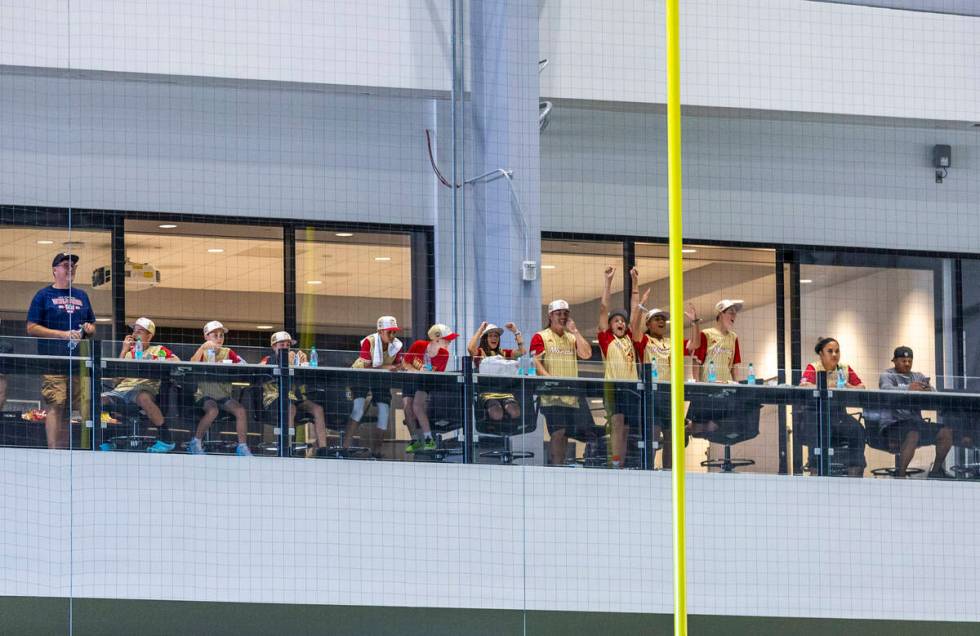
point(56, 309)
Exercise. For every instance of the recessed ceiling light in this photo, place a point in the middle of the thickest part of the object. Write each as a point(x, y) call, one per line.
point(548, 266)
point(45, 242)
point(805, 281)
point(688, 250)
point(167, 226)
point(103, 320)
point(215, 250)
point(343, 234)
point(314, 282)
point(382, 258)
point(263, 327)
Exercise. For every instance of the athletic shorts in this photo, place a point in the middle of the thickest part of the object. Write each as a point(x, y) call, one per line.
point(896, 431)
point(560, 418)
point(378, 395)
point(219, 401)
point(126, 397)
point(620, 400)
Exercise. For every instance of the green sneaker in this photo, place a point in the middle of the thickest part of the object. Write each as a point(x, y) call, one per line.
point(414, 447)
point(430, 444)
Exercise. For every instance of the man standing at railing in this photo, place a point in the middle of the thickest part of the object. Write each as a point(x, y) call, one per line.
point(61, 312)
point(557, 349)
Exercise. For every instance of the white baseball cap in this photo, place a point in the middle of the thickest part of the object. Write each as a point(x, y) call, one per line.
point(281, 336)
point(214, 325)
point(440, 330)
point(656, 311)
point(492, 327)
point(145, 323)
point(557, 305)
point(728, 303)
point(388, 323)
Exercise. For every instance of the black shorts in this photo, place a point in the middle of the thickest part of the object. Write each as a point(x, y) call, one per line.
point(896, 431)
point(619, 399)
point(378, 395)
point(219, 401)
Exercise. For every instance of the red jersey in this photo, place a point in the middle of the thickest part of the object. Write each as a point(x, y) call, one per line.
point(416, 356)
point(810, 375)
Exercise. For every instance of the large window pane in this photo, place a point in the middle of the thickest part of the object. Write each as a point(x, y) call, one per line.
point(573, 271)
point(346, 280)
point(207, 271)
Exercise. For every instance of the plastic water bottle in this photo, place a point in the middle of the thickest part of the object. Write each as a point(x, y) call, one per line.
point(209, 355)
point(532, 369)
point(314, 358)
point(712, 374)
point(751, 378)
point(841, 378)
point(427, 363)
point(138, 349)
point(654, 373)
point(522, 365)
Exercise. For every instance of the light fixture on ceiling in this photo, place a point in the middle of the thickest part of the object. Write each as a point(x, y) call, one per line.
point(344, 234)
point(382, 259)
point(103, 320)
point(314, 282)
point(215, 250)
point(44, 242)
point(263, 327)
point(688, 250)
point(549, 266)
point(806, 281)
point(167, 226)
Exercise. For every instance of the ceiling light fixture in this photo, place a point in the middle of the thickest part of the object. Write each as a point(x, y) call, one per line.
point(103, 320)
point(167, 226)
point(688, 250)
point(382, 259)
point(215, 250)
point(805, 281)
point(42, 242)
point(548, 266)
point(263, 327)
point(344, 234)
point(314, 282)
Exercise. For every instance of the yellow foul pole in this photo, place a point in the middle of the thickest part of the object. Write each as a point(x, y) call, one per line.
point(676, 312)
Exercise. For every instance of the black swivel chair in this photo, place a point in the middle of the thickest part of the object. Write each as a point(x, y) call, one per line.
point(737, 421)
point(878, 440)
point(503, 430)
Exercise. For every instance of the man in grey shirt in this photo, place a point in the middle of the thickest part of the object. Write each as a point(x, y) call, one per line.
point(905, 428)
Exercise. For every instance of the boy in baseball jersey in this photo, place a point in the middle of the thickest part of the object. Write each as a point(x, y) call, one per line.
point(211, 396)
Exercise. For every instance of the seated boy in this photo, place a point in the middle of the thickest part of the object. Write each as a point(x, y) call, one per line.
point(212, 395)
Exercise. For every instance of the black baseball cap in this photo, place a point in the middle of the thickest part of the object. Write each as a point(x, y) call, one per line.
point(902, 352)
point(64, 256)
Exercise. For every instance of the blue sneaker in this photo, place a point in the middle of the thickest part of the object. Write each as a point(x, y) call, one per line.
point(194, 447)
point(106, 447)
point(242, 450)
point(161, 446)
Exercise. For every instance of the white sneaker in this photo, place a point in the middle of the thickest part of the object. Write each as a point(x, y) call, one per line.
point(195, 447)
point(242, 450)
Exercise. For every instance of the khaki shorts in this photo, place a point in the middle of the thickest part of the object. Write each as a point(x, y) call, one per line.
point(54, 390)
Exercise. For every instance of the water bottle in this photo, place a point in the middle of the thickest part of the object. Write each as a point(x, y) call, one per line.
point(209, 355)
point(314, 358)
point(522, 365)
point(138, 349)
point(712, 374)
point(841, 378)
point(654, 373)
point(751, 378)
point(427, 364)
point(532, 369)
point(161, 354)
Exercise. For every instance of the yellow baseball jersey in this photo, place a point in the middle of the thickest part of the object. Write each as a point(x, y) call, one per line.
point(216, 390)
point(618, 355)
point(722, 349)
point(558, 357)
point(150, 386)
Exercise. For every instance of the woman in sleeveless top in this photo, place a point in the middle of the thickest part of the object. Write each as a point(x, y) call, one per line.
point(485, 343)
